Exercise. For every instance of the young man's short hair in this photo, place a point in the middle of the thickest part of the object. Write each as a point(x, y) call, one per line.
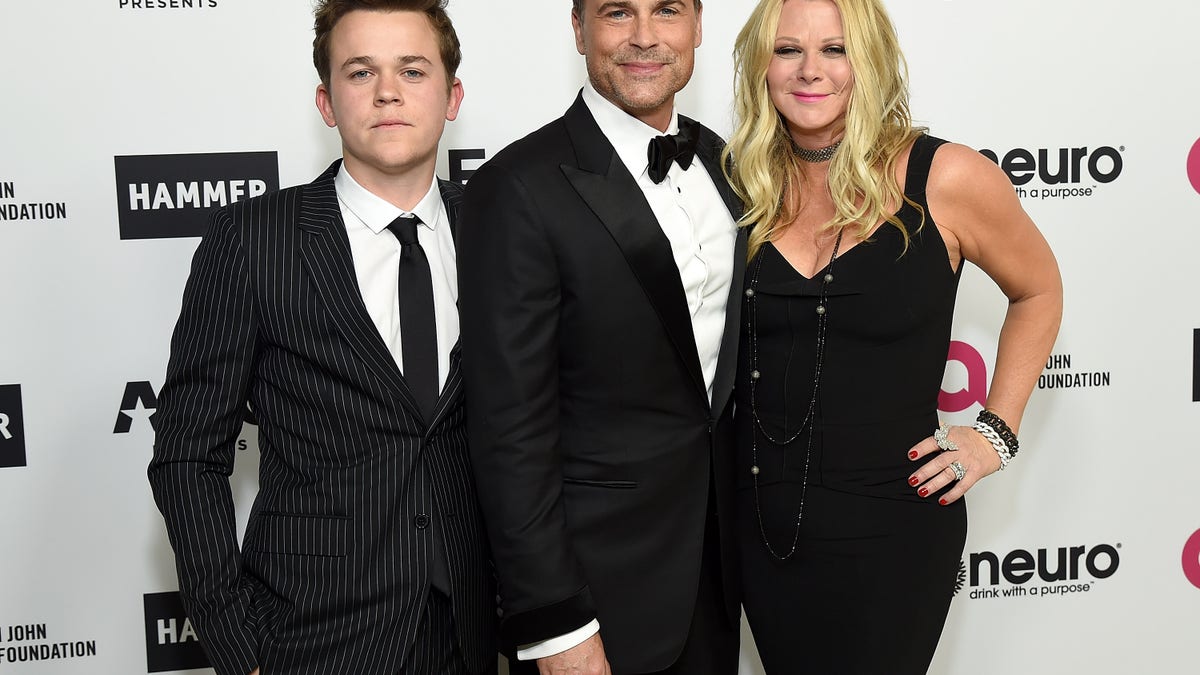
point(329, 12)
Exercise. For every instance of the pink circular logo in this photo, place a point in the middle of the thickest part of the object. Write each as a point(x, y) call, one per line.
point(1193, 166)
point(1191, 559)
point(977, 379)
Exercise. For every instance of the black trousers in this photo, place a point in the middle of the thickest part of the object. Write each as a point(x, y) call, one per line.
point(435, 651)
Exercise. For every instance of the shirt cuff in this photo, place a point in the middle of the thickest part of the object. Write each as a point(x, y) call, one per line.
point(558, 645)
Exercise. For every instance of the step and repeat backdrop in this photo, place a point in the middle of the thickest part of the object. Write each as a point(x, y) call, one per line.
point(126, 120)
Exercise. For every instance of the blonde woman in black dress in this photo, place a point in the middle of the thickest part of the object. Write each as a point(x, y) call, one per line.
point(852, 517)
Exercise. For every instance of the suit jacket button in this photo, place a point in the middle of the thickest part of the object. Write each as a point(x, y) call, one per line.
point(421, 521)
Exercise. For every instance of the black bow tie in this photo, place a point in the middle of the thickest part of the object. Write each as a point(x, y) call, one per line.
point(680, 147)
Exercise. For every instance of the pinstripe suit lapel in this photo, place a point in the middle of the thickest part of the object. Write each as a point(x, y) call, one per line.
point(325, 252)
point(452, 391)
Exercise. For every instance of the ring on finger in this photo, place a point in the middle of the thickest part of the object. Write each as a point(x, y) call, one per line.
point(959, 471)
point(941, 436)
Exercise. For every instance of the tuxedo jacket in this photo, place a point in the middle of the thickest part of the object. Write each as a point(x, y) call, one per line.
point(593, 439)
point(333, 572)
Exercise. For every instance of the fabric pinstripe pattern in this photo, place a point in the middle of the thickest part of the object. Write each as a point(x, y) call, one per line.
point(434, 649)
point(333, 573)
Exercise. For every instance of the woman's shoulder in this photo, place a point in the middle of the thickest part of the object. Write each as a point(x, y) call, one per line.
point(959, 172)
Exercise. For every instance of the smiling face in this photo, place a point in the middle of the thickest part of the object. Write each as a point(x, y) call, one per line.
point(387, 94)
point(639, 53)
point(809, 77)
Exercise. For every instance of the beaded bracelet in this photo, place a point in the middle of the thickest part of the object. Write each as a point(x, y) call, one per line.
point(997, 442)
point(1001, 427)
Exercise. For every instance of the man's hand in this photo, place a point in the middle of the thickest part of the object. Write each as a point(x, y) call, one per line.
point(586, 658)
point(254, 672)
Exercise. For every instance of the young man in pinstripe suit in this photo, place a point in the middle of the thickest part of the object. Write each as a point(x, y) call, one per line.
point(330, 308)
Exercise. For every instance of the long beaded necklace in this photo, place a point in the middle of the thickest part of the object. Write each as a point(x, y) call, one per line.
point(809, 415)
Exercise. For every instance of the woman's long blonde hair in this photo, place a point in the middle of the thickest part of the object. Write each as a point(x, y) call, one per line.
point(862, 174)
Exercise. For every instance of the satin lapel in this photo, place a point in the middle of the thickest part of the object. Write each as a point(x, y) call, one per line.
point(709, 150)
point(325, 252)
point(609, 190)
point(727, 361)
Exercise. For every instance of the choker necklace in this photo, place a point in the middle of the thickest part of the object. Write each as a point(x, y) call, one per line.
point(816, 156)
point(807, 423)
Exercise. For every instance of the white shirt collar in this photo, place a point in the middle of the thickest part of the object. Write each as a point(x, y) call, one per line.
point(377, 213)
point(629, 135)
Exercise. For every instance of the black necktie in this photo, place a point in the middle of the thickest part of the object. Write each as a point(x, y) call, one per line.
point(680, 147)
point(418, 330)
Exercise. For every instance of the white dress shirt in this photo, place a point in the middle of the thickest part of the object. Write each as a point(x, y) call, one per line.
point(690, 211)
point(376, 253)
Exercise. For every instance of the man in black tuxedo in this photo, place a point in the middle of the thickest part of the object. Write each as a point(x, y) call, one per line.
point(331, 309)
point(600, 271)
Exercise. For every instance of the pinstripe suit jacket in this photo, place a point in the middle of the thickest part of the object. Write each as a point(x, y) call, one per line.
point(332, 575)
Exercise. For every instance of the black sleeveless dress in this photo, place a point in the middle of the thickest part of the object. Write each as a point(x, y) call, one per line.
point(868, 587)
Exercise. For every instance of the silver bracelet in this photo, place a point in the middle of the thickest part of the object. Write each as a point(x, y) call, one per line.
point(998, 443)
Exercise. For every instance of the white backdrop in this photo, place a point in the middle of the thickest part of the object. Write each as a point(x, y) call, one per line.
point(1106, 476)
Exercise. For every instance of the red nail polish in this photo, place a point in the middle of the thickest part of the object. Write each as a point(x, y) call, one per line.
point(923, 492)
point(912, 454)
point(913, 481)
point(943, 501)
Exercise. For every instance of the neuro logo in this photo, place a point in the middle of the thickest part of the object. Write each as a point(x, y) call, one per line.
point(12, 427)
point(1054, 572)
point(960, 579)
point(136, 393)
point(167, 196)
point(1193, 166)
point(977, 380)
point(1063, 172)
point(171, 642)
point(1191, 559)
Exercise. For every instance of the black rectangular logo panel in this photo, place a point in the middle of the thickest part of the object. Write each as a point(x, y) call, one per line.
point(1196, 365)
point(171, 643)
point(168, 196)
point(12, 427)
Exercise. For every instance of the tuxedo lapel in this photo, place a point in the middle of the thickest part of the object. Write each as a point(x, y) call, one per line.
point(708, 149)
point(727, 361)
point(613, 195)
point(325, 252)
